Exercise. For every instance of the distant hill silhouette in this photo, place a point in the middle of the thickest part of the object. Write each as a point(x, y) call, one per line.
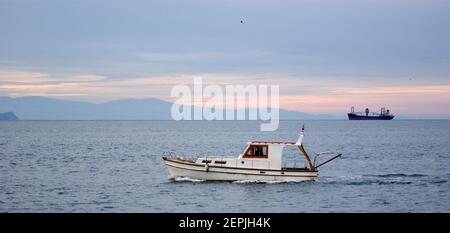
point(43, 108)
point(8, 116)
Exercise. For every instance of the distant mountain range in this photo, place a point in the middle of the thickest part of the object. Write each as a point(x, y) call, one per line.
point(43, 108)
point(8, 116)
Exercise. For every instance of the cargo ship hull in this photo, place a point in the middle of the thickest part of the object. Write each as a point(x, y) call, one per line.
point(353, 116)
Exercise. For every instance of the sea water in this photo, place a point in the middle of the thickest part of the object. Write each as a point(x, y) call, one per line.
point(116, 166)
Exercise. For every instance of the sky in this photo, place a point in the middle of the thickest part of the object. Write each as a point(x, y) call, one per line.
point(326, 55)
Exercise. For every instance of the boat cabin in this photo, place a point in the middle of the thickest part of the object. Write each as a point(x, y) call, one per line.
point(261, 155)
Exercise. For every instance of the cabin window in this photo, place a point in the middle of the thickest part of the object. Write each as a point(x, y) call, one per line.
point(264, 151)
point(249, 151)
point(257, 151)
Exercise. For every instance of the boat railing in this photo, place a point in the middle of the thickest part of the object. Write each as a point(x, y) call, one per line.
point(293, 164)
point(174, 155)
point(169, 154)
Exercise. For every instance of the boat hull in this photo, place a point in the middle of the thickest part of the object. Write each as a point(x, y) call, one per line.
point(178, 168)
point(352, 116)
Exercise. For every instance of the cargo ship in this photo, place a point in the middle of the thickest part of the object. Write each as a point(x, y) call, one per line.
point(367, 115)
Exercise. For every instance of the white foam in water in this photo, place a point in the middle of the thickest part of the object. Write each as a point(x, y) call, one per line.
point(333, 179)
point(187, 179)
point(266, 181)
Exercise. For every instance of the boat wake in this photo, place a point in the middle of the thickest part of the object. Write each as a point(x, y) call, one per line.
point(384, 179)
point(394, 175)
point(187, 179)
point(267, 181)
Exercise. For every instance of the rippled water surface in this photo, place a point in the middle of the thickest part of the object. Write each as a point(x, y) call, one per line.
point(116, 166)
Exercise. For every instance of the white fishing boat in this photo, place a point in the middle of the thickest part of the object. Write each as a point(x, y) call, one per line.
point(260, 161)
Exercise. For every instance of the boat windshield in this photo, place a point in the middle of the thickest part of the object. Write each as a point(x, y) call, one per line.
point(257, 151)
